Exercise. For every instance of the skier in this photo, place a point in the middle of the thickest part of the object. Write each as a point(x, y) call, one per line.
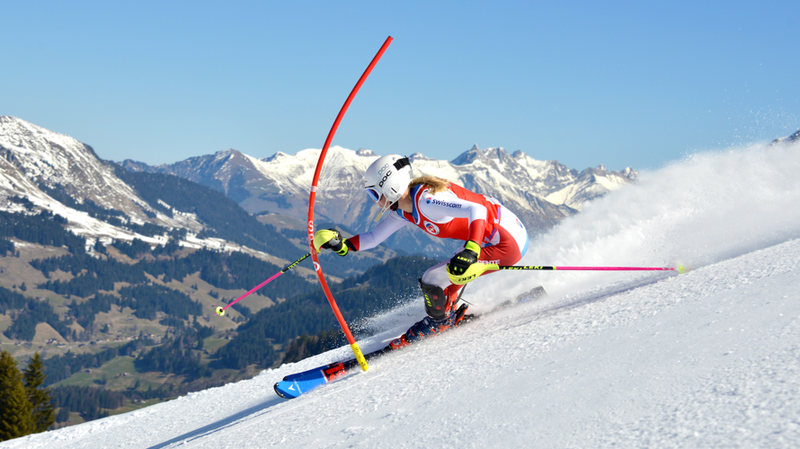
point(491, 232)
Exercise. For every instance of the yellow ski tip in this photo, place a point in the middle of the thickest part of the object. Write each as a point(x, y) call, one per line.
point(681, 269)
point(220, 311)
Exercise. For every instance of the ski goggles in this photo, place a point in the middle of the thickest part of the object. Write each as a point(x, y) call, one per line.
point(373, 193)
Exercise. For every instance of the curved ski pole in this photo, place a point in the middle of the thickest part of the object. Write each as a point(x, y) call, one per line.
point(339, 317)
point(221, 310)
point(479, 269)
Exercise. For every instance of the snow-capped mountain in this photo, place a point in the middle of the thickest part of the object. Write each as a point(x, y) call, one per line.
point(540, 192)
point(49, 168)
point(52, 170)
point(33, 155)
point(35, 159)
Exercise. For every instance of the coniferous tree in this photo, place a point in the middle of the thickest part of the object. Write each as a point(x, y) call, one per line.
point(41, 399)
point(15, 410)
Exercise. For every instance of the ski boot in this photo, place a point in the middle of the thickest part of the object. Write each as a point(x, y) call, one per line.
point(428, 327)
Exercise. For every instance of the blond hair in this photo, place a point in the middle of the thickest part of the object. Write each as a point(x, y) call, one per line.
point(435, 184)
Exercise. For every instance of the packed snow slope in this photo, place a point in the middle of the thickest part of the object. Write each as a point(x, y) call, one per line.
point(710, 358)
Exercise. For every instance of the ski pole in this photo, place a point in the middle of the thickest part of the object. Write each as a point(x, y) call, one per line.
point(221, 310)
point(478, 269)
point(680, 268)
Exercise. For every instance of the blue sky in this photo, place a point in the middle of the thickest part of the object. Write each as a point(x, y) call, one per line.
point(617, 83)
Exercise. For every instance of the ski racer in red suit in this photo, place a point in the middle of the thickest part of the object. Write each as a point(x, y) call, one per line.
point(491, 232)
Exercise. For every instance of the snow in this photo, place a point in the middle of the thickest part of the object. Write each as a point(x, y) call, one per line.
point(709, 358)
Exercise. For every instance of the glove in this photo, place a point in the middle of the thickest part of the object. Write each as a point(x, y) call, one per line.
point(461, 262)
point(330, 239)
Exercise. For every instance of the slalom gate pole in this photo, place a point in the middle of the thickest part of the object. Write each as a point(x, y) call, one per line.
point(353, 345)
point(221, 310)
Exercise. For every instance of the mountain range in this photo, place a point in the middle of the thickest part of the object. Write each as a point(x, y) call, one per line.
point(36, 162)
point(540, 192)
point(543, 191)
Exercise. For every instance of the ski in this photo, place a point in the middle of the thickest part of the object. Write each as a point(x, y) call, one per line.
point(297, 384)
point(294, 385)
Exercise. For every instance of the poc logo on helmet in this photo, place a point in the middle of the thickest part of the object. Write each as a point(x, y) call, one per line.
point(383, 169)
point(385, 177)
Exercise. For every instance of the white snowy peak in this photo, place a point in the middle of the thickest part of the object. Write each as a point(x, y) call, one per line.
point(36, 163)
point(51, 159)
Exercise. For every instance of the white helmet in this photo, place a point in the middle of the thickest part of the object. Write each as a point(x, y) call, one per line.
point(388, 176)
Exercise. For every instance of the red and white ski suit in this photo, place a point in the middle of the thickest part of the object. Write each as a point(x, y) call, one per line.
point(459, 214)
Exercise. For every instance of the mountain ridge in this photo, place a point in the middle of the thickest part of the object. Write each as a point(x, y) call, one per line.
point(541, 193)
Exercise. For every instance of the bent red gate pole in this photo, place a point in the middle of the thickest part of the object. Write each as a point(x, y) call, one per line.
point(356, 350)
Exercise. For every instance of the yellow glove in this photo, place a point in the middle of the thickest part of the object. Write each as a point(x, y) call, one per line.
point(464, 266)
point(330, 239)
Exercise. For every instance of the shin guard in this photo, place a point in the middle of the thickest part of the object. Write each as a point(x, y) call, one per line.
point(436, 301)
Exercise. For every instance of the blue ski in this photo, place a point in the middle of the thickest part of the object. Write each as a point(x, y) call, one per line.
point(294, 385)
